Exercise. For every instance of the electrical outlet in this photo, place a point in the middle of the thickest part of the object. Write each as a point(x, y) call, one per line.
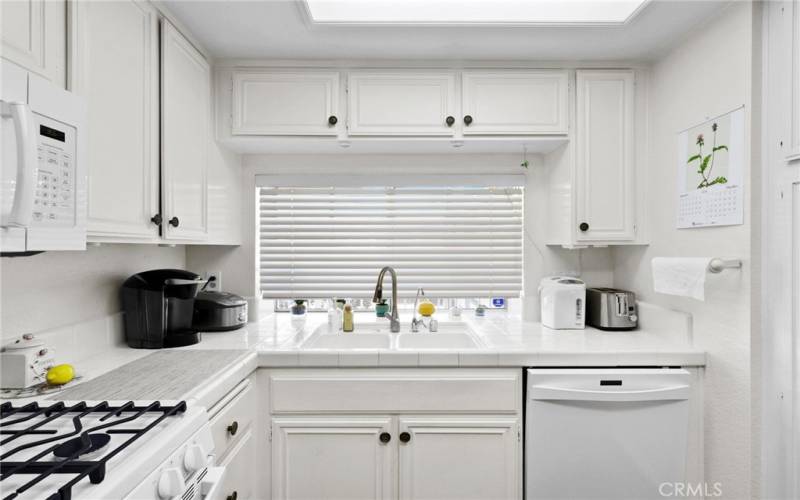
point(216, 285)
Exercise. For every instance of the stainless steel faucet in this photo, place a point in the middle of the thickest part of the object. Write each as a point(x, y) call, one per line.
point(394, 320)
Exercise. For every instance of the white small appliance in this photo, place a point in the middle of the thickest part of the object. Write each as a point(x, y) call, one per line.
point(606, 433)
point(43, 179)
point(24, 362)
point(563, 302)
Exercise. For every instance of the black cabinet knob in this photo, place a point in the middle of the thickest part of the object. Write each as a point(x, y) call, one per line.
point(157, 219)
point(449, 121)
point(232, 496)
point(584, 227)
point(467, 120)
point(332, 120)
point(233, 428)
point(174, 222)
point(405, 437)
point(385, 437)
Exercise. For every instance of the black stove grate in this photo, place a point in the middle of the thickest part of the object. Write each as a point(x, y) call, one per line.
point(71, 464)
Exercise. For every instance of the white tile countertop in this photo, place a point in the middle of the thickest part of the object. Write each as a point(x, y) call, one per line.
point(663, 339)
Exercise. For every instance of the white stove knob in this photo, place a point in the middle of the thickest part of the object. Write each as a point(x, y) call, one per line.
point(195, 458)
point(171, 484)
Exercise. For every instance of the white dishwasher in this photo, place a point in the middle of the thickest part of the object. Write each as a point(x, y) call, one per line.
point(605, 433)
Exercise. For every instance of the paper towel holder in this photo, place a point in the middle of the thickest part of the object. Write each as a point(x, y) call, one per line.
point(717, 265)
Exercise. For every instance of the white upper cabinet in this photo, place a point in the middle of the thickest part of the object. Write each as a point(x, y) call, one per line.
point(286, 103)
point(34, 36)
point(604, 184)
point(523, 102)
point(121, 90)
point(401, 103)
point(332, 457)
point(185, 134)
point(459, 458)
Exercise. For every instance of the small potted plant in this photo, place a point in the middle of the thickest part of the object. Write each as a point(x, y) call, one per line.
point(381, 308)
point(299, 307)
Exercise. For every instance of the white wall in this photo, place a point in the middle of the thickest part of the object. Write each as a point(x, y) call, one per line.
point(238, 265)
point(706, 75)
point(55, 289)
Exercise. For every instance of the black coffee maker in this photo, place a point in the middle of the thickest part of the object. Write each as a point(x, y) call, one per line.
point(158, 307)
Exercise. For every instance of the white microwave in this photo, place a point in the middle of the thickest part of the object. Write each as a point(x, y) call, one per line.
point(43, 183)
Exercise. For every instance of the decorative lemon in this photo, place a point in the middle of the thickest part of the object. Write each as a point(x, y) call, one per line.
point(60, 374)
point(426, 308)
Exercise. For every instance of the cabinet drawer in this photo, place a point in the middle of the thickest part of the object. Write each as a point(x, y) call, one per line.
point(388, 391)
point(240, 467)
point(232, 417)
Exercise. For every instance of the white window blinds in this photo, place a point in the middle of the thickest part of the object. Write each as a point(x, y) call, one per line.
point(318, 242)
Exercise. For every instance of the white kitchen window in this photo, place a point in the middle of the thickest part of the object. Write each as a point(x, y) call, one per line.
point(454, 237)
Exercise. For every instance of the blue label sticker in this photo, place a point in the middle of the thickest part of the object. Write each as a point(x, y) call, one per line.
point(498, 302)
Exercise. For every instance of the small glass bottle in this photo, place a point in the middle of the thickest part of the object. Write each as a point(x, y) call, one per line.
point(347, 321)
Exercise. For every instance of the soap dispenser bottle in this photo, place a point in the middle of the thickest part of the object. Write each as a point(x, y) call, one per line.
point(347, 321)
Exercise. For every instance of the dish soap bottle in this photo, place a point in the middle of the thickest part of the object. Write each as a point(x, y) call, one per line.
point(347, 321)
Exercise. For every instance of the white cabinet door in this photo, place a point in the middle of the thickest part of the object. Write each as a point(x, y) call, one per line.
point(286, 103)
point(332, 457)
point(514, 102)
point(185, 135)
point(34, 36)
point(605, 156)
point(240, 469)
point(401, 103)
point(460, 457)
point(121, 90)
point(794, 149)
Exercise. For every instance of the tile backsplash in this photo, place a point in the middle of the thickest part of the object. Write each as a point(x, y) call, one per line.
point(81, 340)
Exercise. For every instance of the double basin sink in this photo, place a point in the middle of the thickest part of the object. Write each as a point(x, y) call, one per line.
point(450, 336)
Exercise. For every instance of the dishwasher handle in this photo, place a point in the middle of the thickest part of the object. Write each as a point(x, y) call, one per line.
point(551, 393)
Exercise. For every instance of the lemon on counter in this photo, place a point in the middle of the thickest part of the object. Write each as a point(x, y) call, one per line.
point(426, 308)
point(60, 374)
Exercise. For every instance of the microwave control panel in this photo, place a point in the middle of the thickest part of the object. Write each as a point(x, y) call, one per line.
point(54, 200)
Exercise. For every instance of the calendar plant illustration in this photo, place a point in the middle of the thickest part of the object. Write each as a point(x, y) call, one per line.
point(711, 172)
point(705, 161)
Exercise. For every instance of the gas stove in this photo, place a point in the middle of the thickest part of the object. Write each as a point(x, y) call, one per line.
point(104, 450)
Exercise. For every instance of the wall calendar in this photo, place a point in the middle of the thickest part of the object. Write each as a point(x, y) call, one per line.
point(711, 160)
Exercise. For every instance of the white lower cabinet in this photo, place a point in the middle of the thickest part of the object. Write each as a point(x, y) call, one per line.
point(332, 457)
point(236, 440)
point(396, 434)
point(459, 457)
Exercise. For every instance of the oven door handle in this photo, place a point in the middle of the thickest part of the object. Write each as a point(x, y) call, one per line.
point(211, 484)
point(27, 162)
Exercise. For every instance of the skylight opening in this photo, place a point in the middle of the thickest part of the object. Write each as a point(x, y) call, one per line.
point(474, 12)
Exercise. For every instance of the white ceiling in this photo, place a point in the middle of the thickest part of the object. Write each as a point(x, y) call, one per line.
point(280, 29)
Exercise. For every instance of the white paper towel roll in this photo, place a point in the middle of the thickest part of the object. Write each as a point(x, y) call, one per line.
point(684, 276)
